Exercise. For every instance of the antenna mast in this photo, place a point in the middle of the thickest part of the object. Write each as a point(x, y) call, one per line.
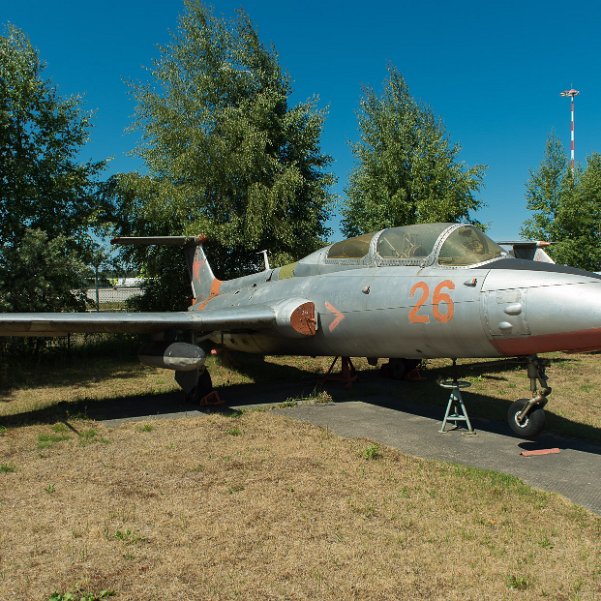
point(572, 93)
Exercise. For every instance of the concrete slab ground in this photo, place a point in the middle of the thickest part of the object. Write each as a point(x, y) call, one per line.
point(575, 472)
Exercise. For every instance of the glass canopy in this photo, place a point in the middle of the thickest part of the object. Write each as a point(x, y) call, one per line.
point(468, 246)
point(410, 241)
point(465, 245)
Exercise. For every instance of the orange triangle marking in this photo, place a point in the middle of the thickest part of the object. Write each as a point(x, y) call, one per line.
point(339, 316)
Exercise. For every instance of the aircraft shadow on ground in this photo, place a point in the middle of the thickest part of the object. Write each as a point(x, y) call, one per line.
point(277, 384)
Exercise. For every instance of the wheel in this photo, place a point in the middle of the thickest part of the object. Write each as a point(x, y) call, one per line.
point(397, 369)
point(202, 388)
point(534, 423)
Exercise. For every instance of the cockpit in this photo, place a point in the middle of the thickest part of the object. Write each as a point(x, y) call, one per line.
point(452, 245)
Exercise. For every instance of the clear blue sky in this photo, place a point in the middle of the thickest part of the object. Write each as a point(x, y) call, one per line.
point(492, 71)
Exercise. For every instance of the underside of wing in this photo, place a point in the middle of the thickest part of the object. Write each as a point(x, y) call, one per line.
point(291, 317)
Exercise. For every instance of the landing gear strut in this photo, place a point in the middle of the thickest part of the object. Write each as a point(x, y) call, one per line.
point(197, 385)
point(527, 416)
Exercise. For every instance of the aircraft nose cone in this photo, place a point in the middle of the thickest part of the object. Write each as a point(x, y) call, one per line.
point(561, 315)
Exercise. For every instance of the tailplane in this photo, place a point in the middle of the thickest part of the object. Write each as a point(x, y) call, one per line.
point(204, 283)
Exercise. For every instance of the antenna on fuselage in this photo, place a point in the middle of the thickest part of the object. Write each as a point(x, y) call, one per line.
point(265, 259)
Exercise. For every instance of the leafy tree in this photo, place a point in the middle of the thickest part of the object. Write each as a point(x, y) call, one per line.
point(408, 170)
point(47, 197)
point(227, 155)
point(545, 189)
point(41, 274)
point(567, 208)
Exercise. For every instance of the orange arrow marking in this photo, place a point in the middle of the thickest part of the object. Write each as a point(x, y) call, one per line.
point(339, 316)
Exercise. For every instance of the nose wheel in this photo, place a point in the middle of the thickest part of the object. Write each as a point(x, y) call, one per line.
point(526, 417)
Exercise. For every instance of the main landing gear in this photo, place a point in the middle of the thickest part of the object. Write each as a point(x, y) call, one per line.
point(526, 417)
point(198, 387)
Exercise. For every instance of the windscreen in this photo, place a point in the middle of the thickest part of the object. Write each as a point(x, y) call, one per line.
point(468, 246)
point(353, 248)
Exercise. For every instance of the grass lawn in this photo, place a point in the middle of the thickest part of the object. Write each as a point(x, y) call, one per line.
point(257, 506)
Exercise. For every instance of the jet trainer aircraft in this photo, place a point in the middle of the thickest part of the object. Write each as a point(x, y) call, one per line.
point(404, 293)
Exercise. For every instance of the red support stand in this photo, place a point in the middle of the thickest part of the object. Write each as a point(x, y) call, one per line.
point(347, 374)
point(211, 400)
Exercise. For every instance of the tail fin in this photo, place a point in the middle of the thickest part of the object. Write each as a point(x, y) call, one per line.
point(205, 285)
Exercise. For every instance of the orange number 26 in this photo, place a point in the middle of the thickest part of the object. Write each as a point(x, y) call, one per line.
point(439, 299)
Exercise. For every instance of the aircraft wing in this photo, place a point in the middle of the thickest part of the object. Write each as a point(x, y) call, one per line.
point(294, 317)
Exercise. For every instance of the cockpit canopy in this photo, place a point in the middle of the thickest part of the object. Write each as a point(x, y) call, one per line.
point(454, 245)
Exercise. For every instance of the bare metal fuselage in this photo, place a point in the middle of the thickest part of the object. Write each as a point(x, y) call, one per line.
point(413, 312)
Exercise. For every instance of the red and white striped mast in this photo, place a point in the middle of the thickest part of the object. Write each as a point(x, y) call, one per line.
point(572, 93)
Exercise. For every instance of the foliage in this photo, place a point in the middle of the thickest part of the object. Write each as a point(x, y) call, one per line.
point(408, 170)
point(227, 155)
point(566, 207)
point(371, 452)
point(81, 596)
point(40, 274)
point(47, 198)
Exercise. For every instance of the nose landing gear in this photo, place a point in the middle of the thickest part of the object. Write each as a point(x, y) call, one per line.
point(526, 417)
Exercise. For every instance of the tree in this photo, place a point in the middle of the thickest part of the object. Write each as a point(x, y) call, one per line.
point(227, 155)
point(41, 274)
point(567, 208)
point(408, 170)
point(47, 198)
point(545, 189)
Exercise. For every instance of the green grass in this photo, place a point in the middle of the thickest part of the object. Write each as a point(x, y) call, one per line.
point(6, 468)
point(81, 596)
point(128, 537)
point(371, 452)
point(47, 440)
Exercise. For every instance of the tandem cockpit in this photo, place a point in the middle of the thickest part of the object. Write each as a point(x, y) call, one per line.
point(445, 244)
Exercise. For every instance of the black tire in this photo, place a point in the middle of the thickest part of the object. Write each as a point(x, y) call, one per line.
point(397, 369)
point(203, 387)
point(532, 426)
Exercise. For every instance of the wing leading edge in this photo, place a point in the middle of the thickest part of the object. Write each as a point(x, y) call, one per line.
point(295, 317)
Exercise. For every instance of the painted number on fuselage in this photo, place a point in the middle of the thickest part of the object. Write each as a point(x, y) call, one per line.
point(440, 300)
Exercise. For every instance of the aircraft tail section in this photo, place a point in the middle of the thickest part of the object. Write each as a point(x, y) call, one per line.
point(205, 285)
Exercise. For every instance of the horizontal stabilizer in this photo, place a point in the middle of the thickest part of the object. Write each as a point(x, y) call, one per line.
point(159, 240)
point(529, 249)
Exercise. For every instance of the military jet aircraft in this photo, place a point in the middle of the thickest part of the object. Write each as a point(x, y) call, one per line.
point(403, 293)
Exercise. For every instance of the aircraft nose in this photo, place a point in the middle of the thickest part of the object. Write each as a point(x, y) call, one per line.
point(561, 313)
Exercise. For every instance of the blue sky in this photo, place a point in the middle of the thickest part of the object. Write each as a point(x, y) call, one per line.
point(491, 71)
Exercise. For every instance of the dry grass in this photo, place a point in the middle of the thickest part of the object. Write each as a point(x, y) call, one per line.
point(77, 383)
point(261, 507)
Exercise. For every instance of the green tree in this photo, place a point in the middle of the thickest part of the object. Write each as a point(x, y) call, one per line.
point(41, 274)
point(567, 208)
point(48, 198)
point(227, 155)
point(545, 189)
point(408, 171)
point(577, 226)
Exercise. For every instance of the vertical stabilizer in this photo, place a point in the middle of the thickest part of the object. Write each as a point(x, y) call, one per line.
point(205, 285)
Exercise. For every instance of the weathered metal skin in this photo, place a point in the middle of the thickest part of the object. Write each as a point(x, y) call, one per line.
point(365, 309)
point(435, 290)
